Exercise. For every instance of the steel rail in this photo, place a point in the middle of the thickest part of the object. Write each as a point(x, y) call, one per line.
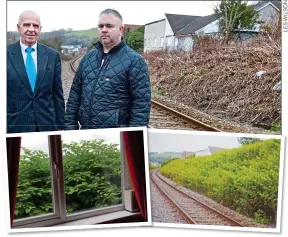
point(236, 223)
point(190, 120)
point(180, 209)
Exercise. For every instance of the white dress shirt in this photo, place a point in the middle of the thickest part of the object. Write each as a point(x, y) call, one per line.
point(33, 54)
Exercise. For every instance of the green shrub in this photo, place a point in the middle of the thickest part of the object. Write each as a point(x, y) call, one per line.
point(92, 178)
point(136, 40)
point(276, 127)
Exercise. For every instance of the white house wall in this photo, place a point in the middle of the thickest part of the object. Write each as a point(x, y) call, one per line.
point(152, 36)
point(168, 29)
point(211, 28)
point(169, 42)
point(185, 43)
point(269, 15)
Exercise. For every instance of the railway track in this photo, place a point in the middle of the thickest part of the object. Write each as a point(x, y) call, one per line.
point(163, 117)
point(195, 211)
point(72, 63)
point(163, 209)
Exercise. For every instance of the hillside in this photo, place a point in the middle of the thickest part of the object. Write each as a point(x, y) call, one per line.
point(82, 37)
point(249, 173)
point(220, 80)
point(91, 33)
point(155, 157)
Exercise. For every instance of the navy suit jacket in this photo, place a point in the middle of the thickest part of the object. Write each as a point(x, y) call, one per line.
point(45, 107)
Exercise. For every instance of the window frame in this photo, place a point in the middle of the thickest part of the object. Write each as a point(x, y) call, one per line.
point(161, 41)
point(58, 193)
point(55, 194)
point(155, 42)
point(176, 42)
point(169, 41)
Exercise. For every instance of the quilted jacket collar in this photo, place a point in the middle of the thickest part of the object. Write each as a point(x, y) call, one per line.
point(99, 46)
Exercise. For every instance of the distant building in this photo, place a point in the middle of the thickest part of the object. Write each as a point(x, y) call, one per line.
point(209, 151)
point(187, 153)
point(178, 32)
point(128, 28)
point(83, 50)
point(73, 49)
point(172, 154)
point(154, 163)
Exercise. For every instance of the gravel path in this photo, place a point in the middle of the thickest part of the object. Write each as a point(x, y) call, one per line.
point(67, 77)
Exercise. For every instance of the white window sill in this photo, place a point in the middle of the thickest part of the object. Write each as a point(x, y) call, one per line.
point(100, 219)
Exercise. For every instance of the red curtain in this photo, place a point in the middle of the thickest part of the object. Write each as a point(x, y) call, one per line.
point(134, 149)
point(13, 145)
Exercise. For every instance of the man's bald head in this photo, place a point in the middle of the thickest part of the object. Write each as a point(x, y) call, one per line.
point(28, 13)
point(29, 27)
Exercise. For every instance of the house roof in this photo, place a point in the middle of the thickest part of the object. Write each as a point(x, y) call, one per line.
point(187, 24)
point(154, 22)
point(258, 6)
point(178, 22)
point(277, 4)
point(197, 24)
point(201, 150)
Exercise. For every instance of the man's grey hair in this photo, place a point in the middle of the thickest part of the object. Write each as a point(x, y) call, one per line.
point(112, 11)
point(20, 19)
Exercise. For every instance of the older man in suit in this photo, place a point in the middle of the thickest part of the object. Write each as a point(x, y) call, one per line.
point(35, 99)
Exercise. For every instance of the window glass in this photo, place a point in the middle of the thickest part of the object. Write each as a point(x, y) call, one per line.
point(92, 170)
point(162, 41)
point(34, 193)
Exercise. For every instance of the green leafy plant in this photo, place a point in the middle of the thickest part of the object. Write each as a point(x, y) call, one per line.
point(159, 92)
point(92, 178)
point(92, 175)
point(34, 194)
point(235, 15)
point(136, 40)
point(276, 127)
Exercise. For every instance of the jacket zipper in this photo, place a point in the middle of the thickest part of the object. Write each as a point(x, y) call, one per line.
point(102, 65)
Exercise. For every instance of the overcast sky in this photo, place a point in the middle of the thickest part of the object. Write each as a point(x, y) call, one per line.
point(38, 141)
point(81, 15)
point(171, 142)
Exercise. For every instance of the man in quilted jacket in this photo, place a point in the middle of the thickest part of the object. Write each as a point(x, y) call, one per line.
point(111, 87)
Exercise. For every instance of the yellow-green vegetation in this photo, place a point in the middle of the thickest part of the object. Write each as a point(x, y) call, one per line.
point(244, 179)
point(91, 33)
